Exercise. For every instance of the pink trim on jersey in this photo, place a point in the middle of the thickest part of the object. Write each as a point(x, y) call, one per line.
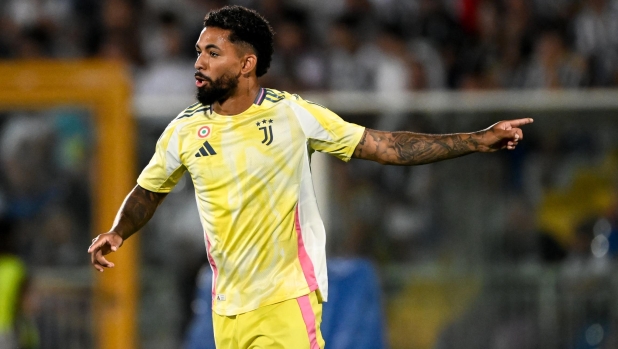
point(260, 96)
point(213, 266)
point(303, 257)
point(309, 318)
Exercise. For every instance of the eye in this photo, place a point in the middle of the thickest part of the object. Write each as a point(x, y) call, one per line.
point(198, 53)
point(213, 54)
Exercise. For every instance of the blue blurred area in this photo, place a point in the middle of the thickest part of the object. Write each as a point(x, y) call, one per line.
point(200, 334)
point(352, 318)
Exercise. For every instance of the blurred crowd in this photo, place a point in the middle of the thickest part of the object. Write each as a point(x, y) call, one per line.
point(372, 45)
point(485, 212)
point(45, 213)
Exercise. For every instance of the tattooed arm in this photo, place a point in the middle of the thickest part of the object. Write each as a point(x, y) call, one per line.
point(134, 213)
point(408, 148)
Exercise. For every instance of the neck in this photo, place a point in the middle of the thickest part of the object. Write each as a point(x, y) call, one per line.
point(240, 100)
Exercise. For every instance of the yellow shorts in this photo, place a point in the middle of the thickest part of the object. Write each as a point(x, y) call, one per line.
point(294, 324)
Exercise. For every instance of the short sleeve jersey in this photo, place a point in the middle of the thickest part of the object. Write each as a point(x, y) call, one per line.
point(263, 233)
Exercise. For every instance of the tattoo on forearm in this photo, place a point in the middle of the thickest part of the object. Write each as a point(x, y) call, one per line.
point(408, 148)
point(139, 206)
point(358, 152)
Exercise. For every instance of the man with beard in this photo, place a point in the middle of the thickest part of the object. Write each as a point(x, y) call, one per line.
point(247, 149)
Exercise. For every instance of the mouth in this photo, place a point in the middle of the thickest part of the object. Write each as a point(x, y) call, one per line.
point(200, 80)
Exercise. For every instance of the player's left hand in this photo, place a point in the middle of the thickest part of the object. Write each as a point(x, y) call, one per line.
point(502, 135)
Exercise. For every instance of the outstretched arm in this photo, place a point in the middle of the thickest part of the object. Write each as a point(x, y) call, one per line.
point(134, 213)
point(409, 148)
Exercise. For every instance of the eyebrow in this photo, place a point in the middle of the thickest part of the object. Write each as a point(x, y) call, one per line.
point(208, 46)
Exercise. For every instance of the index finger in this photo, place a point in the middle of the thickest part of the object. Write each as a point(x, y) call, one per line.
point(96, 245)
point(520, 122)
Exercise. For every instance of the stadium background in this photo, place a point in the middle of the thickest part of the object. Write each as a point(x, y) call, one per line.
point(507, 250)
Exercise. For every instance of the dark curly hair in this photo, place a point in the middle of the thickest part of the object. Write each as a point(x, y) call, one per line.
point(246, 26)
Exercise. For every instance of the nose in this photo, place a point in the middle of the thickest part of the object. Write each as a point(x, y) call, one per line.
point(200, 63)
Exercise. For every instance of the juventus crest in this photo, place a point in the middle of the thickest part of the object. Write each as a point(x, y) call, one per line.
point(267, 127)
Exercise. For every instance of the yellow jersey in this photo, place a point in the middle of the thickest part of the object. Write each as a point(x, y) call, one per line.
point(263, 232)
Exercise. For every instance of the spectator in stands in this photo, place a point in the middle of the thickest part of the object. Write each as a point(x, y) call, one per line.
point(365, 11)
point(596, 37)
point(427, 67)
point(556, 9)
point(120, 27)
point(553, 65)
point(479, 62)
point(482, 43)
point(277, 11)
point(393, 68)
point(295, 66)
point(438, 26)
point(516, 39)
point(351, 64)
point(170, 69)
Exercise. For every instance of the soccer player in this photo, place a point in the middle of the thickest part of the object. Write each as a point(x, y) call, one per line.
point(247, 149)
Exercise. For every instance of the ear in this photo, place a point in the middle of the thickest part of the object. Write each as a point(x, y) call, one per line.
point(249, 63)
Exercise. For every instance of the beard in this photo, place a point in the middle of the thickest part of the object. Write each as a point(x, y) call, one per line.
point(218, 90)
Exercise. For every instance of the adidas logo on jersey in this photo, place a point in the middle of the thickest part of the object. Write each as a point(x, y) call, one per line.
point(205, 150)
